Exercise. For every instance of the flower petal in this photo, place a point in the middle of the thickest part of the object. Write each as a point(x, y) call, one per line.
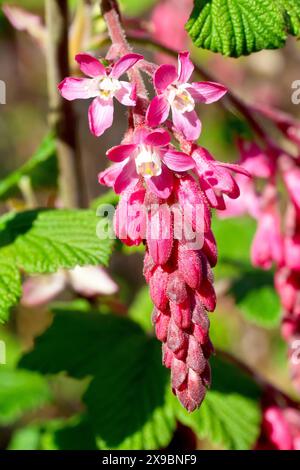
point(127, 177)
point(157, 111)
point(178, 161)
point(90, 66)
point(157, 138)
point(188, 123)
point(207, 92)
point(120, 152)
point(91, 280)
point(127, 94)
point(124, 64)
point(164, 76)
point(101, 114)
point(108, 177)
point(161, 185)
point(77, 88)
point(185, 67)
point(39, 290)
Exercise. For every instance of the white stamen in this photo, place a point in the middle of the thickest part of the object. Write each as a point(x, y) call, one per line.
point(108, 86)
point(180, 98)
point(147, 161)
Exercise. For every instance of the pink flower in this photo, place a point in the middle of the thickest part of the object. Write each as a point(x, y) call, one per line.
point(150, 156)
point(175, 93)
point(280, 428)
point(175, 13)
point(267, 246)
point(87, 281)
point(215, 177)
point(291, 177)
point(103, 86)
point(23, 20)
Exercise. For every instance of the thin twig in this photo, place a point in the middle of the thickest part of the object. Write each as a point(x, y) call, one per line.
point(61, 117)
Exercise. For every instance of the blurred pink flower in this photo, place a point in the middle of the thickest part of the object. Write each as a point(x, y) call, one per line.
point(103, 86)
point(23, 20)
point(176, 13)
point(281, 428)
point(267, 246)
point(176, 94)
point(87, 281)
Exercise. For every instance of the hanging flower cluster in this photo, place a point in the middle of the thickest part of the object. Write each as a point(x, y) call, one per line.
point(277, 239)
point(166, 195)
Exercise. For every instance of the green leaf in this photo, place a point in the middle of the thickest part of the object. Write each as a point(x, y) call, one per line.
point(43, 241)
point(257, 299)
point(253, 289)
point(20, 391)
point(141, 309)
point(230, 414)
point(240, 27)
point(27, 438)
point(128, 400)
point(234, 238)
point(41, 168)
point(10, 288)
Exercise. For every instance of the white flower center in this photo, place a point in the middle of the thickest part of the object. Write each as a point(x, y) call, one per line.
point(108, 86)
point(147, 161)
point(180, 98)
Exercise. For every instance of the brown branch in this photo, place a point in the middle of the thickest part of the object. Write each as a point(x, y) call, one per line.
point(61, 117)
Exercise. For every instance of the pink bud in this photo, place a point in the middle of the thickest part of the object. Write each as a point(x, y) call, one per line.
point(160, 234)
point(190, 266)
point(149, 266)
point(177, 339)
point(291, 178)
point(207, 295)
point(161, 326)
point(195, 358)
point(181, 313)
point(179, 372)
point(158, 288)
point(210, 248)
point(167, 356)
point(267, 246)
point(176, 288)
point(130, 217)
point(191, 198)
point(292, 252)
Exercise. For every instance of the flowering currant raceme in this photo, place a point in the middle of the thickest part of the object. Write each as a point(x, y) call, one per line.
point(103, 85)
point(166, 195)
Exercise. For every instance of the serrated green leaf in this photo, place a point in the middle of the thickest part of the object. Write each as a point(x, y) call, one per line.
point(230, 414)
point(128, 400)
point(20, 391)
point(240, 27)
point(141, 309)
point(43, 241)
point(41, 168)
point(10, 288)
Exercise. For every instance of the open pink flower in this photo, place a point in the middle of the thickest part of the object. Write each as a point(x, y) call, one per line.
point(103, 85)
point(150, 156)
point(175, 93)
